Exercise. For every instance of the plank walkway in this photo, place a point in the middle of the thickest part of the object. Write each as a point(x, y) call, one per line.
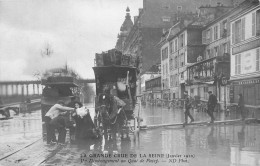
point(199, 123)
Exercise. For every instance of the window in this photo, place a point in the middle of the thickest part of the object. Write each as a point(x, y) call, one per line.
point(182, 60)
point(225, 48)
point(224, 30)
point(257, 59)
point(253, 24)
point(164, 53)
point(238, 64)
point(238, 31)
point(176, 44)
point(208, 35)
point(179, 8)
point(182, 42)
point(215, 32)
point(171, 47)
point(224, 23)
point(166, 19)
point(182, 75)
point(208, 53)
point(171, 64)
point(176, 62)
point(215, 51)
point(257, 22)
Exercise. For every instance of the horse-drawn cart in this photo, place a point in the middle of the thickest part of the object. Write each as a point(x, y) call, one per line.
point(115, 77)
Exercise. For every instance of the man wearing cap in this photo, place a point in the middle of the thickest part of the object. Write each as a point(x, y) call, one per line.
point(212, 102)
point(187, 108)
point(55, 120)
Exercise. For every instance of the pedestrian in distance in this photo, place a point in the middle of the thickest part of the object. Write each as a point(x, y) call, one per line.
point(241, 106)
point(187, 108)
point(54, 119)
point(212, 102)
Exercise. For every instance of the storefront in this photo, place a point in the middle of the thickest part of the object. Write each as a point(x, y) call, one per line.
point(249, 88)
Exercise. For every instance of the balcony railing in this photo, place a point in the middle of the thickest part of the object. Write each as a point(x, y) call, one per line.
point(208, 69)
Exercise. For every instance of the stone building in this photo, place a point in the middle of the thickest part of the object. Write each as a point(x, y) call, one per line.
point(153, 88)
point(205, 75)
point(155, 17)
point(124, 31)
point(183, 45)
point(245, 54)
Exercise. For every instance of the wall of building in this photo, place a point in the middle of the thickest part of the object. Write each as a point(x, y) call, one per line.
point(150, 51)
point(194, 36)
point(248, 58)
point(155, 10)
point(165, 69)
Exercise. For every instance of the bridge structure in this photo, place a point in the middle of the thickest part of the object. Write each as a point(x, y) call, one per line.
point(14, 91)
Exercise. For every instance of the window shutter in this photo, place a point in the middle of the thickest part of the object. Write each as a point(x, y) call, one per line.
point(204, 40)
point(210, 35)
point(257, 59)
point(221, 50)
point(221, 29)
point(236, 64)
point(239, 64)
point(253, 24)
point(228, 47)
point(243, 28)
point(228, 27)
point(233, 33)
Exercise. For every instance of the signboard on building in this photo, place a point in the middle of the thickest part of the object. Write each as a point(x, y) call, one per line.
point(247, 81)
point(247, 63)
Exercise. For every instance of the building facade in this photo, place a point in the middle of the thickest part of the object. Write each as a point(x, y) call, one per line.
point(179, 48)
point(214, 64)
point(146, 32)
point(153, 88)
point(245, 54)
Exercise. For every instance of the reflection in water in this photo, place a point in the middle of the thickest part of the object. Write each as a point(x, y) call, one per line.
point(214, 145)
point(212, 141)
point(241, 137)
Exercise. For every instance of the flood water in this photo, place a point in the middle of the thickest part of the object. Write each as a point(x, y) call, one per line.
point(21, 130)
point(197, 145)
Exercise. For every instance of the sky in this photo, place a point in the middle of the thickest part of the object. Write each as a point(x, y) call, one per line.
point(73, 29)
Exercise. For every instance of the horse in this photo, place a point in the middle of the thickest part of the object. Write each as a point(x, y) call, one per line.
point(108, 118)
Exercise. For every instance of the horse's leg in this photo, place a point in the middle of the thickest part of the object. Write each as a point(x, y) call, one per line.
point(114, 130)
point(105, 126)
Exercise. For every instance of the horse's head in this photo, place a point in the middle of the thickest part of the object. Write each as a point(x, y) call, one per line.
point(103, 111)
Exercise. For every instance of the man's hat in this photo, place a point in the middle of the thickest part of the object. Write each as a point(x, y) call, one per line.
point(209, 91)
point(185, 91)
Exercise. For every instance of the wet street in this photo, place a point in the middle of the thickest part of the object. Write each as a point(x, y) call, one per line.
point(194, 145)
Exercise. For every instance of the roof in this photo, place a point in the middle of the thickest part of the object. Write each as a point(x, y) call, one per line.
point(60, 80)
